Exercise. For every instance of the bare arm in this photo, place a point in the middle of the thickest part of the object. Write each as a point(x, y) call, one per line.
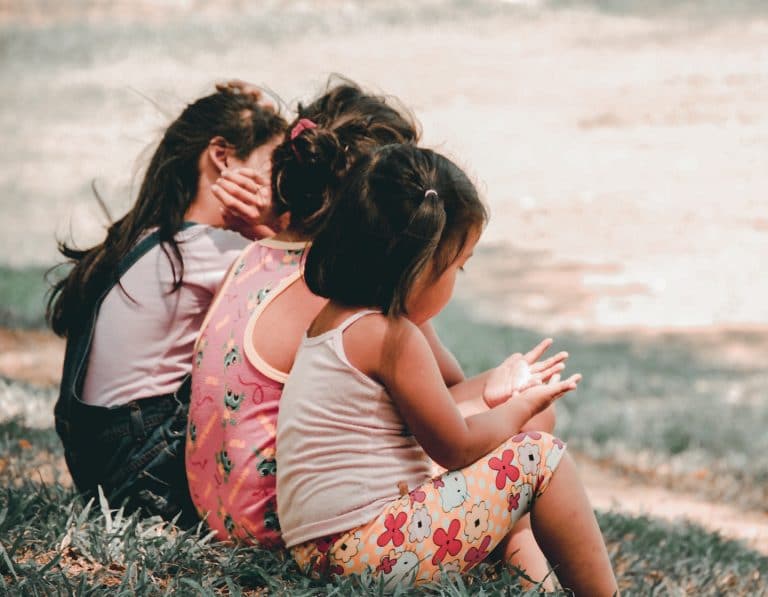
point(410, 372)
point(450, 368)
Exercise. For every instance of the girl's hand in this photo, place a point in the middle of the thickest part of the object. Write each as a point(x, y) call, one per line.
point(245, 202)
point(540, 397)
point(241, 87)
point(520, 372)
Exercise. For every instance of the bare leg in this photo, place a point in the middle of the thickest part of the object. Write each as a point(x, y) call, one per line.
point(520, 549)
point(566, 529)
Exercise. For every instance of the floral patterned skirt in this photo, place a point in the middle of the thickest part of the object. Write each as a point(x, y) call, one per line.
point(451, 522)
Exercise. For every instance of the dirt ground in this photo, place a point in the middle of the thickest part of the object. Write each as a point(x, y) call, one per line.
point(31, 356)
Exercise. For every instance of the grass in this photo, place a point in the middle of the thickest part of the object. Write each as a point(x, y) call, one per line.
point(656, 407)
point(667, 408)
point(51, 543)
point(23, 292)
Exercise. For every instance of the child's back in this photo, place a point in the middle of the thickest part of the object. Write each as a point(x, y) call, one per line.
point(235, 394)
point(344, 447)
point(250, 339)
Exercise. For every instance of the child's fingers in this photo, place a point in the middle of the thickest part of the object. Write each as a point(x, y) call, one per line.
point(245, 189)
point(246, 178)
point(542, 396)
point(246, 182)
point(240, 86)
point(555, 378)
point(227, 201)
point(570, 383)
point(535, 354)
point(233, 208)
point(245, 204)
point(547, 374)
point(511, 359)
point(533, 380)
point(550, 362)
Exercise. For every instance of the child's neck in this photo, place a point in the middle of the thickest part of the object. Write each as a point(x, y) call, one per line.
point(290, 236)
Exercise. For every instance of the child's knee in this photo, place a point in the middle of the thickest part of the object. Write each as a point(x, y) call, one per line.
point(538, 454)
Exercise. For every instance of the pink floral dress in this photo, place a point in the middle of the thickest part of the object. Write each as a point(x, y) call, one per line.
point(230, 451)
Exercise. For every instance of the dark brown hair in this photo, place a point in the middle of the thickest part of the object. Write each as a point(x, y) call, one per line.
point(399, 210)
point(169, 186)
point(308, 169)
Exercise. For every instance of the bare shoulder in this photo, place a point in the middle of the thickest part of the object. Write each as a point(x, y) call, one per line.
point(377, 328)
point(371, 342)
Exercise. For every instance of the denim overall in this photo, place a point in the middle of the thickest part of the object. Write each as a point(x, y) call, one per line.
point(135, 451)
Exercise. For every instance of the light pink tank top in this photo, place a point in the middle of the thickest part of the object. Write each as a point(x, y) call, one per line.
point(342, 446)
point(144, 334)
point(230, 453)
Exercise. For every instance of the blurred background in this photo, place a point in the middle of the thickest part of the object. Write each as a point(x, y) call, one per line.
point(622, 146)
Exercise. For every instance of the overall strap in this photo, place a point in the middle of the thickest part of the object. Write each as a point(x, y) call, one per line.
point(79, 345)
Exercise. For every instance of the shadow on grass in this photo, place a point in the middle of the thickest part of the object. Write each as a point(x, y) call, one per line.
point(671, 408)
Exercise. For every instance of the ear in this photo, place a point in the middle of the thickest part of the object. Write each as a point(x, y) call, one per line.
point(220, 153)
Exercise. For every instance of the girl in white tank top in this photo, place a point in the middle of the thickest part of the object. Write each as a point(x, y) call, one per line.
point(365, 404)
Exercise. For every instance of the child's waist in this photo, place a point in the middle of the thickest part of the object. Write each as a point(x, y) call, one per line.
point(320, 494)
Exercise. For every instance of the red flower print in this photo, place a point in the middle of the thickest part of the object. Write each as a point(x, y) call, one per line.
point(417, 495)
point(521, 436)
point(475, 555)
point(514, 501)
point(506, 470)
point(324, 544)
point(560, 444)
point(393, 532)
point(386, 564)
point(446, 542)
point(438, 483)
point(323, 566)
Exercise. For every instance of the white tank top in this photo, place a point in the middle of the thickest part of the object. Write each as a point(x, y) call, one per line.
point(342, 446)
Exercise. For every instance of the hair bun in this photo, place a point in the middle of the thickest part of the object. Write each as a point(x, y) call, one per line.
point(319, 148)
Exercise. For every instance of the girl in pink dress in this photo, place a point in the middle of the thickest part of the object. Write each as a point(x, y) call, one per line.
point(240, 368)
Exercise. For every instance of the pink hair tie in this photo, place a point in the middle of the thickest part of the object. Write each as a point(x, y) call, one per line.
point(302, 125)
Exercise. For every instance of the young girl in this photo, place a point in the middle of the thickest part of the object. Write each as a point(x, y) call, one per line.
point(251, 334)
point(365, 405)
point(131, 308)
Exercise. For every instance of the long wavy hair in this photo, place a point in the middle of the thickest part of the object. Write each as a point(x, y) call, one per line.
point(167, 191)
